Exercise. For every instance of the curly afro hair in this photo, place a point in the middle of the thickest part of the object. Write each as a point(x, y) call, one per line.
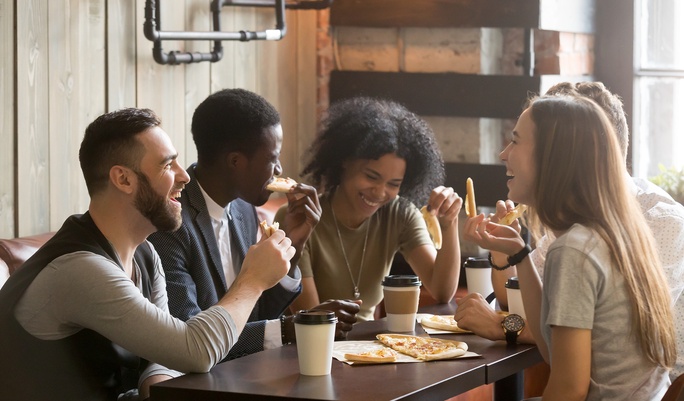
point(367, 128)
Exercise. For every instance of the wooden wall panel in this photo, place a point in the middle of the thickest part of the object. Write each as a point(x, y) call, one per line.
point(76, 59)
point(197, 75)
point(223, 72)
point(33, 184)
point(245, 52)
point(162, 87)
point(277, 62)
point(7, 121)
point(76, 96)
point(120, 85)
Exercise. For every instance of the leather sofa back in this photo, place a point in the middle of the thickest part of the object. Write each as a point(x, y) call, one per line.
point(15, 251)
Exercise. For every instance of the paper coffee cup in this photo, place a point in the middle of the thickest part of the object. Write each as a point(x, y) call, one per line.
point(479, 277)
point(402, 293)
point(515, 302)
point(315, 331)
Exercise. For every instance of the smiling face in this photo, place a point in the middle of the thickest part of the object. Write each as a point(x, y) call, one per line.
point(160, 181)
point(367, 185)
point(261, 166)
point(519, 159)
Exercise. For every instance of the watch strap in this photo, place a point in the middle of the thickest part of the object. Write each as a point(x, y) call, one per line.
point(511, 336)
point(518, 257)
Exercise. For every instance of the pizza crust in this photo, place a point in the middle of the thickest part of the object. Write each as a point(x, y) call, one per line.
point(470, 206)
point(443, 322)
point(424, 348)
point(378, 356)
point(267, 229)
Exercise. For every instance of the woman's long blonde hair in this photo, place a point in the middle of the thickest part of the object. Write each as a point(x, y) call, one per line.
point(581, 179)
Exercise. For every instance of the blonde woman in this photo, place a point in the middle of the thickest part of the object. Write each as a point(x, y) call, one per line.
point(602, 318)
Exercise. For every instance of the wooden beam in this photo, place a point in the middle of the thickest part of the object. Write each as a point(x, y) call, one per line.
point(489, 181)
point(443, 94)
point(567, 16)
point(435, 13)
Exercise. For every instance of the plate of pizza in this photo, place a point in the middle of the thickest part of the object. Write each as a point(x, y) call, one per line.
point(424, 348)
point(375, 352)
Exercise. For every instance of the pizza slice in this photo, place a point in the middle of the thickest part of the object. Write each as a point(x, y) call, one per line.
point(514, 214)
point(379, 355)
point(424, 348)
point(280, 184)
point(443, 322)
point(433, 227)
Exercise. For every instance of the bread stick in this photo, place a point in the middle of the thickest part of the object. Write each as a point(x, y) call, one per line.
point(470, 206)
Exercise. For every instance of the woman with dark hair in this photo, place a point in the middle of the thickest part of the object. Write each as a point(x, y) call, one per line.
point(376, 163)
point(602, 318)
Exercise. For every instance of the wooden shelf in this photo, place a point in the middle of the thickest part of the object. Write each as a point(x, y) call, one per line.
point(446, 94)
point(554, 15)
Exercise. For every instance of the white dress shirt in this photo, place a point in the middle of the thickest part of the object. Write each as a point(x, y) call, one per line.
point(231, 263)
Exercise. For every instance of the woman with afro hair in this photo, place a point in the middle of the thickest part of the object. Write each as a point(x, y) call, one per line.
point(376, 163)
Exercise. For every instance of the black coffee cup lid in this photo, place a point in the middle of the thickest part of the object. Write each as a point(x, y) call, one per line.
point(513, 283)
point(477, 263)
point(401, 280)
point(315, 316)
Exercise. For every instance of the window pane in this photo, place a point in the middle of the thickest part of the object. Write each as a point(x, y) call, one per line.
point(662, 34)
point(659, 121)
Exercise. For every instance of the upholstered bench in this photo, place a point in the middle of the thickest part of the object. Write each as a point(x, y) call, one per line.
point(15, 251)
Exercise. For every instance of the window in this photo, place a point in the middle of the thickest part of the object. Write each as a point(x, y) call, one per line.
point(658, 127)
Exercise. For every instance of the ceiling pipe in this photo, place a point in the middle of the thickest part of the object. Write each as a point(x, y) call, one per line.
point(153, 32)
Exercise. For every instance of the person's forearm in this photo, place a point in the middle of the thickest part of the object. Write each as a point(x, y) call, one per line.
point(531, 290)
point(447, 269)
point(240, 300)
point(499, 278)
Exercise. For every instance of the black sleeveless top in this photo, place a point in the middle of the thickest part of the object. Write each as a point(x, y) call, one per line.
point(83, 366)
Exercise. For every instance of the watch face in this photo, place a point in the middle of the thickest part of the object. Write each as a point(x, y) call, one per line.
point(514, 322)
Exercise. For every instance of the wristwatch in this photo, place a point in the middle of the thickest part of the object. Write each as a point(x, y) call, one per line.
point(512, 325)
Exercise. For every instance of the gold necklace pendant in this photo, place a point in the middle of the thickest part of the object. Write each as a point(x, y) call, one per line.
point(355, 283)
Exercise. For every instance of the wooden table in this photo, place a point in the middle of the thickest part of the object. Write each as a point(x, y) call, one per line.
point(274, 373)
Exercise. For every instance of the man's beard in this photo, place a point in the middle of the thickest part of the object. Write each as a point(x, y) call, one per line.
point(155, 207)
